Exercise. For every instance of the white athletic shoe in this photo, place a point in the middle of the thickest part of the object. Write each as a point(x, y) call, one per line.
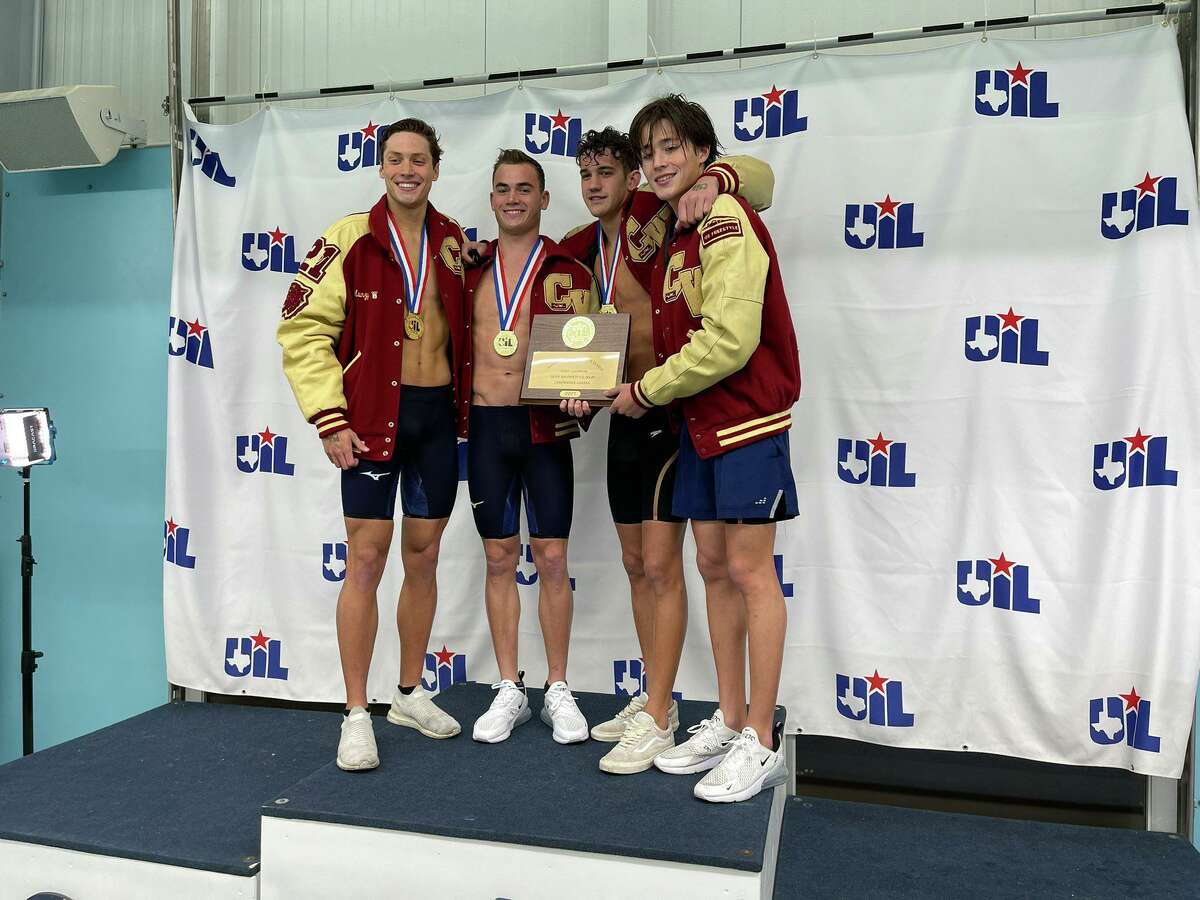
point(707, 746)
point(356, 748)
point(417, 710)
point(612, 730)
point(560, 713)
point(642, 741)
point(747, 768)
point(509, 709)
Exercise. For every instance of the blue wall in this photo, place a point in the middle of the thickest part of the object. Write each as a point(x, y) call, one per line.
point(83, 330)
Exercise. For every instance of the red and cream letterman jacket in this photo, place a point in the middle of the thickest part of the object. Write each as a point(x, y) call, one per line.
point(723, 335)
point(645, 218)
point(342, 330)
point(561, 285)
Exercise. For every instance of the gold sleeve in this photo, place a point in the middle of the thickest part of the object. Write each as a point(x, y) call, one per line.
point(728, 288)
point(311, 325)
point(750, 178)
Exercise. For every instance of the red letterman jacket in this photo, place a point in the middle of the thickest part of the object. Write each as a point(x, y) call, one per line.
point(342, 329)
point(724, 343)
point(561, 285)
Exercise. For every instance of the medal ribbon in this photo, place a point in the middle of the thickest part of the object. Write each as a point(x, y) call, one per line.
point(508, 306)
point(608, 276)
point(414, 288)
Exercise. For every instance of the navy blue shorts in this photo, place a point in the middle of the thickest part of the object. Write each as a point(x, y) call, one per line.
point(504, 465)
point(642, 455)
point(424, 464)
point(751, 484)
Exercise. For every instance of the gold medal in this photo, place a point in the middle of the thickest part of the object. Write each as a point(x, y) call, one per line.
point(414, 326)
point(505, 343)
point(609, 308)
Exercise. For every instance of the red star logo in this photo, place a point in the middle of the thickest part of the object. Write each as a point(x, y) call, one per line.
point(887, 206)
point(774, 96)
point(1001, 566)
point(1131, 699)
point(195, 328)
point(171, 526)
point(260, 639)
point(277, 236)
point(1019, 75)
point(444, 656)
point(876, 682)
point(1138, 440)
point(560, 121)
point(1146, 185)
point(879, 444)
point(369, 131)
point(267, 436)
point(1010, 320)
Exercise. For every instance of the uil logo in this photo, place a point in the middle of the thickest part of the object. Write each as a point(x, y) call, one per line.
point(629, 678)
point(872, 699)
point(175, 545)
point(1122, 718)
point(357, 149)
point(1005, 336)
point(1139, 460)
point(209, 161)
point(1149, 203)
point(256, 656)
point(999, 581)
point(786, 587)
point(191, 341)
point(557, 135)
point(444, 668)
point(877, 461)
point(771, 115)
point(333, 561)
point(526, 568)
point(273, 250)
point(1019, 92)
point(264, 451)
point(885, 224)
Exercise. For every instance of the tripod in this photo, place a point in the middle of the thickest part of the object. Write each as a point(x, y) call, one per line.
point(29, 656)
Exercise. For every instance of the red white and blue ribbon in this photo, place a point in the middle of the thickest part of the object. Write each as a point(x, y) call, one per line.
point(608, 276)
point(508, 305)
point(414, 287)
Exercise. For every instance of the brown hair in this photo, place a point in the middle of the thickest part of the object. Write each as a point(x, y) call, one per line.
point(689, 119)
point(413, 126)
point(608, 140)
point(518, 158)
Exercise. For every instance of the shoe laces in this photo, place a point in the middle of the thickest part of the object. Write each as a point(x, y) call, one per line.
point(508, 694)
point(706, 735)
point(634, 732)
point(632, 708)
point(560, 697)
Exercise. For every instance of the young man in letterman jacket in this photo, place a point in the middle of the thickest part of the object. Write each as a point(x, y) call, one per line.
point(374, 333)
point(519, 451)
point(621, 247)
point(725, 352)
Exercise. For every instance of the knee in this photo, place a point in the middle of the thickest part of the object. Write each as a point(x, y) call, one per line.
point(551, 561)
point(713, 567)
point(664, 572)
point(365, 563)
point(501, 559)
point(634, 565)
point(421, 561)
point(750, 578)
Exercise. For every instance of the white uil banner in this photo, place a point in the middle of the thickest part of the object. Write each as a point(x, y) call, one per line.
point(990, 256)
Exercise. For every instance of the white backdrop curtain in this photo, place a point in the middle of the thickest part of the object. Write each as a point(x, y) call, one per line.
point(1010, 574)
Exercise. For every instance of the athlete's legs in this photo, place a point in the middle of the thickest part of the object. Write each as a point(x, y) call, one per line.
point(554, 603)
point(503, 602)
point(368, 541)
point(641, 594)
point(662, 548)
point(726, 620)
point(420, 540)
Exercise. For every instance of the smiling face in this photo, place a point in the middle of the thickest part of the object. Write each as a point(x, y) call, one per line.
point(407, 169)
point(605, 183)
point(670, 164)
point(518, 198)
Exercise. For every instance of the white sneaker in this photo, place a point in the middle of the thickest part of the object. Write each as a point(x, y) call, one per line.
point(707, 746)
point(560, 713)
point(748, 768)
point(509, 709)
point(612, 730)
point(417, 710)
point(642, 741)
point(356, 748)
